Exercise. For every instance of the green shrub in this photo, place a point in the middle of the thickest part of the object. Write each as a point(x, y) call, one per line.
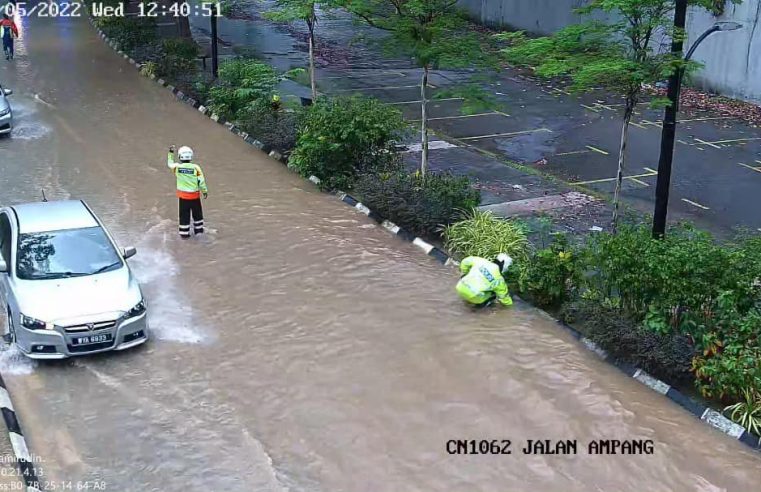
point(482, 234)
point(179, 57)
point(747, 412)
point(550, 274)
point(149, 68)
point(275, 128)
point(667, 282)
point(668, 356)
point(338, 139)
point(240, 83)
point(420, 205)
point(129, 32)
point(730, 359)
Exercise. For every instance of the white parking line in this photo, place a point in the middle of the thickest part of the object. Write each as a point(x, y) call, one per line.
point(463, 116)
point(379, 88)
point(595, 149)
point(510, 134)
point(430, 100)
point(757, 169)
point(695, 204)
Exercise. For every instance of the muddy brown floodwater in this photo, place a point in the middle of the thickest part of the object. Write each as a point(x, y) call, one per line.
point(297, 346)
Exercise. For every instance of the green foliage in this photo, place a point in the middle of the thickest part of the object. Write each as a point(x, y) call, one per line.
point(620, 55)
point(666, 356)
point(482, 234)
point(128, 32)
point(340, 138)
point(241, 82)
point(684, 285)
point(475, 98)
point(730, 358)
point(179, 57)
point(149, 68)
point(275, 128)
point(229, 7)
point(434, 33)
point(670, 283)
point(298, 75)
point(419, 204)
point(294, 10)
point(747, 412)
point(586, 55)
point(550, 274)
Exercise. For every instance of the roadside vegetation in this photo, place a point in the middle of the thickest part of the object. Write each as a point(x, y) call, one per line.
point(685, 308)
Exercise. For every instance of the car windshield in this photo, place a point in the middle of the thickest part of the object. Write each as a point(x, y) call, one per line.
point(62, 254)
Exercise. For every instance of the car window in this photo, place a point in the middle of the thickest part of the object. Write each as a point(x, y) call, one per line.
point(62, 254)
point(5, 237)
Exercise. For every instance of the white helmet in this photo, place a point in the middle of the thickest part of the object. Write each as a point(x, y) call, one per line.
point(185, 154)
point(506, 261)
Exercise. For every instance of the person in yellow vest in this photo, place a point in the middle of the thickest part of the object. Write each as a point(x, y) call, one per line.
point(191, 184)
point(484, 281)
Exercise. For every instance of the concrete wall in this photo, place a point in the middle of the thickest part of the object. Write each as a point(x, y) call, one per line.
point(537, 16)
point(731, 59)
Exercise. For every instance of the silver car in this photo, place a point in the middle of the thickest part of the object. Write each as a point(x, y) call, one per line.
point(65, 283)
point(6, 114)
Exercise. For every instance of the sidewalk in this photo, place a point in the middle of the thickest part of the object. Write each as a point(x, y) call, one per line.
point(717, 168)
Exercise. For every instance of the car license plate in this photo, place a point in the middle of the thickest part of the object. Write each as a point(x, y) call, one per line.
point(90, 339)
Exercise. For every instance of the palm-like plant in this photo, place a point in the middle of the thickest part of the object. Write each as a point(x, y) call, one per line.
point(485, 235)
point(747, 412)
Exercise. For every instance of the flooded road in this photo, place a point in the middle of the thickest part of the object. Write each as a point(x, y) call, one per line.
point(296, 346)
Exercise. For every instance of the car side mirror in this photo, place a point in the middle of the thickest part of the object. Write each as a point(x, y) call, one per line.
point(3, 266)
point(129, 252)
point(7, 92)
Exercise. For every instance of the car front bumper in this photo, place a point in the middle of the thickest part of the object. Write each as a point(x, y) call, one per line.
point(6, 123)
point(52, 344)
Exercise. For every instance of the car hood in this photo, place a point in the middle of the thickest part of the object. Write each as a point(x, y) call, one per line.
point(101, 297)
point(4, 104)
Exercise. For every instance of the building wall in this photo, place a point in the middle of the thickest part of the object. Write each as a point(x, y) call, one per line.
point(731, 64)
point(731, 59)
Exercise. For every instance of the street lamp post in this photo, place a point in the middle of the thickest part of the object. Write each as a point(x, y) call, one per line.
point(214, 53)
point(668, 133)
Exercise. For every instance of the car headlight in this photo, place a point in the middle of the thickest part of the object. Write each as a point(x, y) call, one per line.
point(35, 324)
point(5, 111)
point(137, 310)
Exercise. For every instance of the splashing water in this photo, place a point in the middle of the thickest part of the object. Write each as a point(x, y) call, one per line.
point(26, 126)
point(170, 318)
point(14, 362)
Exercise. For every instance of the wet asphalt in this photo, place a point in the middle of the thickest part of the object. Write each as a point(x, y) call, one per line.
point(717, 162)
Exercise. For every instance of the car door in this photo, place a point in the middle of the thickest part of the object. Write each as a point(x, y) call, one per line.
point(6, 240)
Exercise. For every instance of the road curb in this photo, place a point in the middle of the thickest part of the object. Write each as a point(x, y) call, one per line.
point(24, 460)
point(706, 414)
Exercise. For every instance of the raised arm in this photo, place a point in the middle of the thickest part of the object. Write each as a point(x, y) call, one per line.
point(170, 161)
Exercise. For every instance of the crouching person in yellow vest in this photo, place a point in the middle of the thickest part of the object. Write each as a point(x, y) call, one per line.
point(190, 185)
point(483, 280)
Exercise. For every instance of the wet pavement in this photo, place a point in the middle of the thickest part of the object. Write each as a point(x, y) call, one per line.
point(297, 346)
point(717, 168)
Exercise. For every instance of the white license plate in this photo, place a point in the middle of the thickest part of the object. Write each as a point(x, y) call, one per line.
point(90, 339)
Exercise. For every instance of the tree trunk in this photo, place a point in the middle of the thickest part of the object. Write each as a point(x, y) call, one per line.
point(424, 121)
point(631, 102)
point(312, 80)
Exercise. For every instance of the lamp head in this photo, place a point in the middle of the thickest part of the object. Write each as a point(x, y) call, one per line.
point(727, 26)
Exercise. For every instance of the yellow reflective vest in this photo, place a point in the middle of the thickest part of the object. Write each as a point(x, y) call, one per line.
point(482, 280)
point(190, 179)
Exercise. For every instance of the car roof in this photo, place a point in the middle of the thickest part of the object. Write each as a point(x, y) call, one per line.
point(53, 216)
